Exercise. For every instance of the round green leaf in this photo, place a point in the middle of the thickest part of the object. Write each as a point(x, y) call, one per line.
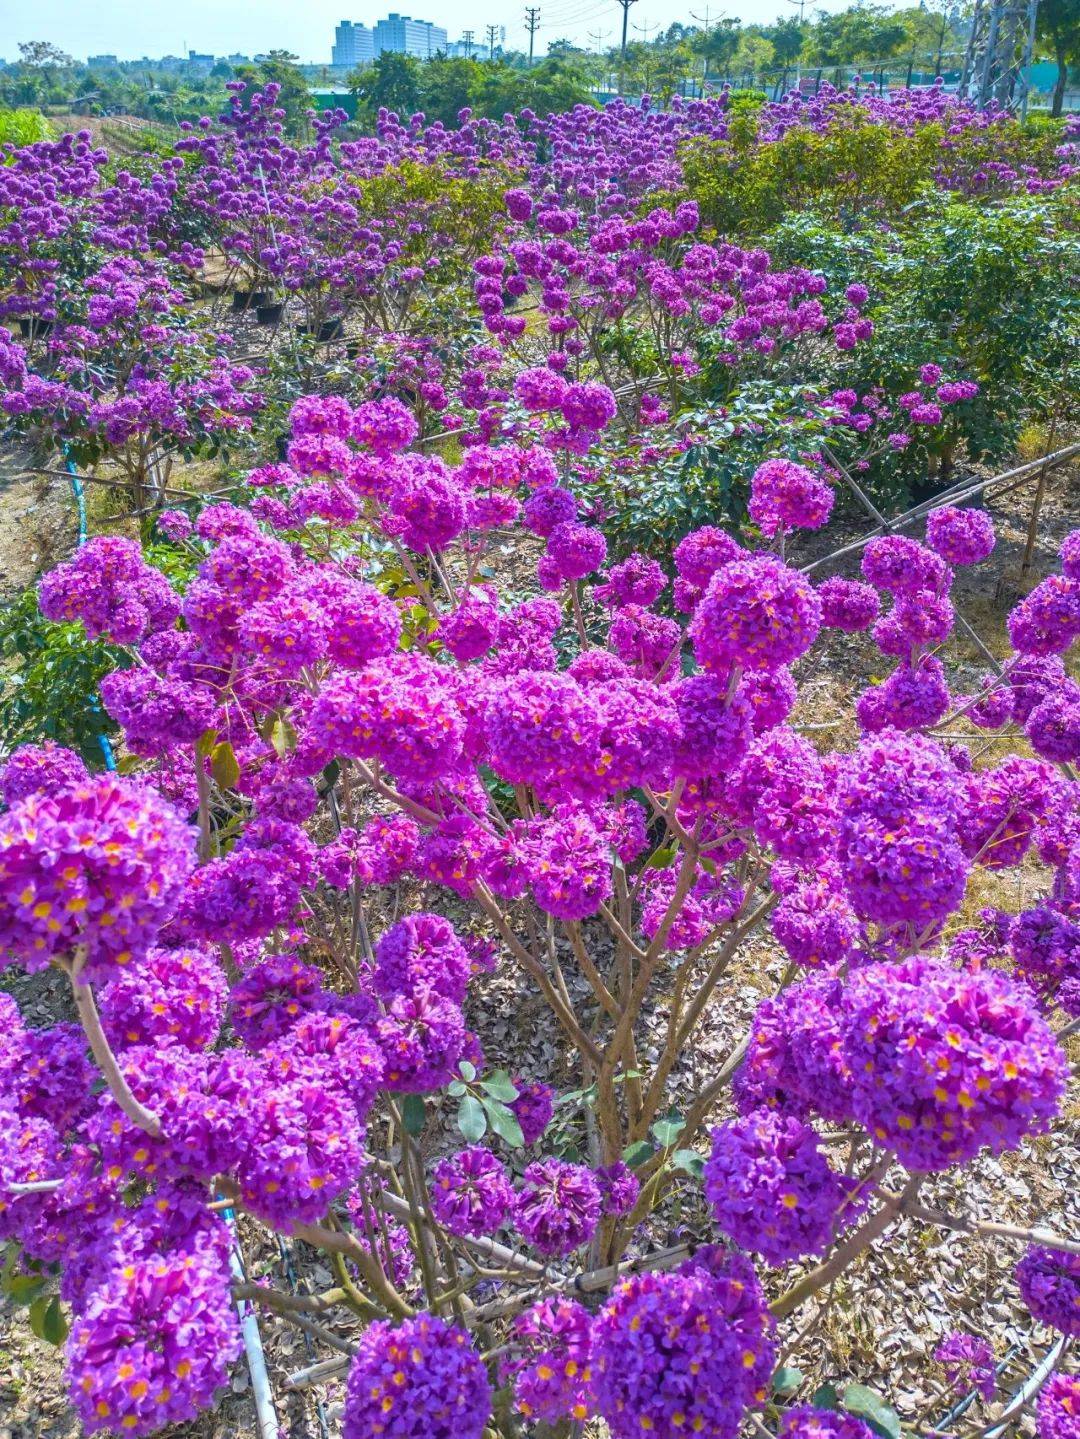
point(471, 1119)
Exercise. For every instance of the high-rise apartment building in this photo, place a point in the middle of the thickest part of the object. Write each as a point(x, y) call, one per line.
point(406, 36)
point(353, 45)
point(359, 45)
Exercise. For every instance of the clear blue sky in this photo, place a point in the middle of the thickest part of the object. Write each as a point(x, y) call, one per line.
point(132, 28)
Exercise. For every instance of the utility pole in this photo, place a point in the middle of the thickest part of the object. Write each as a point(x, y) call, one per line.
point(644, 30)
point(492, 36)
point(467, 41)
point(625, 18)
point(703, 20)
point(798, 63)
point(532, 21)
point(599, 36)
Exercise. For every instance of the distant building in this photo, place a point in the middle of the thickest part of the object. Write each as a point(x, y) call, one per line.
point(405, 36)
point(353, 45)
point(197, 64)
point(102, 62)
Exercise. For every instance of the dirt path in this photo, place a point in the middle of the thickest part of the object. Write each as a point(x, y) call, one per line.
point(37, 521)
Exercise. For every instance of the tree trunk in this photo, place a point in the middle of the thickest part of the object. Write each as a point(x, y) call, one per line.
point(1059, 88)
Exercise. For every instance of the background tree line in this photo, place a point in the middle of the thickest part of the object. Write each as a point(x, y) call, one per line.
point(684, 59)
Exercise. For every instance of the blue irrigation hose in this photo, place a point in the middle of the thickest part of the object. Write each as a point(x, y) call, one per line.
point(78, 491)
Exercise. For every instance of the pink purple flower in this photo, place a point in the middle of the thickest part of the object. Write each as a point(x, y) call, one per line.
point(558, 1206)
point(1049, 1281)
point(471, 1192)
point(687, 1351)
point(421, 1379)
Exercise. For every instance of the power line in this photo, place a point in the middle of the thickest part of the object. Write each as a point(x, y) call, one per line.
point(532, 21)
point(562, 14)
point(644, 30)
point(574, 19)
point(599, 36)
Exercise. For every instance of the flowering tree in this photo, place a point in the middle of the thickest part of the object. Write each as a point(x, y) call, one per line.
point(353, 718)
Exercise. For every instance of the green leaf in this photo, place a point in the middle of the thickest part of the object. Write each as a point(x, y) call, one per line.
point(500, 1086)
point(224, 766)
point(638, 1153)
point(47, 1320)
point(471, 1119)
point(827, 1397)
point(455, 1089)
point(283, 737)
point(206, 743)
point(786, 1381)
point(23, 1288)
point(504, 1122)
point(661, 858)
point(413, 1114)
point(869, 1405)
point(690, 1161)
point(467, 1070)
point(667, 1130)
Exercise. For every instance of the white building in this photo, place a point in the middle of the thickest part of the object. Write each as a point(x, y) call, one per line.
point(353, 45)
point(406, 36)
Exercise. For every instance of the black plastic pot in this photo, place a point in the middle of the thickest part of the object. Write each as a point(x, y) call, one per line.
point(929, 488)
point(328, 330)
point(249, 299)
point(270, 314)
point(35, 327)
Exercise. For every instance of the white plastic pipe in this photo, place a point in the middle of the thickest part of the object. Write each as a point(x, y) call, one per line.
point(1028, 1389)
point(253, 1348)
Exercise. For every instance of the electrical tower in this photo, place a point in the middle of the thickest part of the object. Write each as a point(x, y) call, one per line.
point(467, 41)
point(598, 37)
point(492, 36)
point(998, 53)
point(532, 22)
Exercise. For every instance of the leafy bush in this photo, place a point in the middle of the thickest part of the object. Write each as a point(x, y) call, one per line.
point(49, 679)
point(23, 127)
point(987, 291)
point(855, 170)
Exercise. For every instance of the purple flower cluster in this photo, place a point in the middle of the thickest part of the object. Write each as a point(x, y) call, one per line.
point(97, 866)
point(968, 1362)
point(1058, 1409)
point(422, 1378)
point(1049, 1281)
point(550, 1365)
point(471, 1192)
point(960, 536)
point(772, 1190)
point(755, 614)
point(153, 1345)
point(786, 496)
point(944, 1064)
point(112, 590)
point(172, 996)
point(687, 1351)
point(806, 1422)
point(558, 1206)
